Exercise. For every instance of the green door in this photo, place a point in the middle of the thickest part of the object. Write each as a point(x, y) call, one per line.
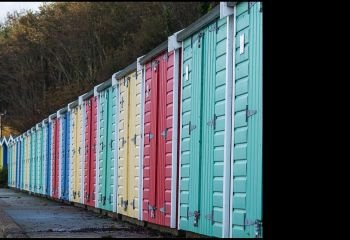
point(247, 153)
point(103, 153)
point(203, 131)
point(107, 108)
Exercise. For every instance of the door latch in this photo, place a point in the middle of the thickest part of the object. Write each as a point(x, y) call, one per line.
point(153, 210)
point(196, 215)
point(150, 136)
point(163, 209)
point(104, 200)
point(124, 204)
point(212, 122)
point(134, 139)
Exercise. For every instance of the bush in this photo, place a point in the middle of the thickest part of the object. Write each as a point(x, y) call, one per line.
point(3, 177)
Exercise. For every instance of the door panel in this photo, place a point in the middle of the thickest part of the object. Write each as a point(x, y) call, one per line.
point(202, 143)
point(129, 132)
point(247, 151)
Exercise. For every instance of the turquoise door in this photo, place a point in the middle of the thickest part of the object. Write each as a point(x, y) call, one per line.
point(107, 108)
point(202, 134)
point(35, 161)
point(247, 153)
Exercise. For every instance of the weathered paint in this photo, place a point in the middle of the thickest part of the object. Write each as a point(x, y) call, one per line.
point(203, 130)
point(129, 144)
point(247, 142)
point(90, 106)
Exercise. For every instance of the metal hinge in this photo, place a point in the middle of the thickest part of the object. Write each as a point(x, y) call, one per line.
point(133, 204)
point(249, 113)
point(126, 81)
point(150, 136)
point(112, 143)
point(155, 64)
point(210, 216)
point(147, 90)
point(134, 139)
point(164, 133)
point(165, 57)
point(123, 141)
point(191, 127)
point(250, 4)
point(122, 102)
point(214, 27)
point(261, 6)
point(212, 122)
point(200, 35)
point(163, 209)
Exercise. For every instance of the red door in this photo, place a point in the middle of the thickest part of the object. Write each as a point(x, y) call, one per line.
point(90, 156)
point(158, 139)
point(56, 158)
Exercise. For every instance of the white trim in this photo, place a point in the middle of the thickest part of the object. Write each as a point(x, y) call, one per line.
point(225, 10)
point(228, 131)
point(180, 140)
point(97, 147)
point(116, 140)
point(82, 152)
point(173, 44)
point(59, 155)
point(174, 159)
point(233, 116)
point(142, 69)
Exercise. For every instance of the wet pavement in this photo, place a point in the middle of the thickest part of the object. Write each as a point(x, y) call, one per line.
point(43, 218)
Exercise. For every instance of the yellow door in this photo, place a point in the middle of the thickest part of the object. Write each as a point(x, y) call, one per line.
point(129, 133)
point(72, 155)
point(76, 155)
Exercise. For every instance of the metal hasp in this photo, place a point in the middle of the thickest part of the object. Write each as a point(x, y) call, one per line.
point(153, 210)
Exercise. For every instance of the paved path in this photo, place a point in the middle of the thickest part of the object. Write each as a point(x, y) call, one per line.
point(43, 218)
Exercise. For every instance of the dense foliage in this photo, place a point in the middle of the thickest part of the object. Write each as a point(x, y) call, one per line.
point(50, 57)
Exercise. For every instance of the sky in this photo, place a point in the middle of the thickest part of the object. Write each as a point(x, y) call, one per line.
point(12, 6)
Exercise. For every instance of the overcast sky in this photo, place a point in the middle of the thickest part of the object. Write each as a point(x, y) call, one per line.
point(12, 6)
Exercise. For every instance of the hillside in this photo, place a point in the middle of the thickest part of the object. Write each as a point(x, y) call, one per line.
point(49, 58)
